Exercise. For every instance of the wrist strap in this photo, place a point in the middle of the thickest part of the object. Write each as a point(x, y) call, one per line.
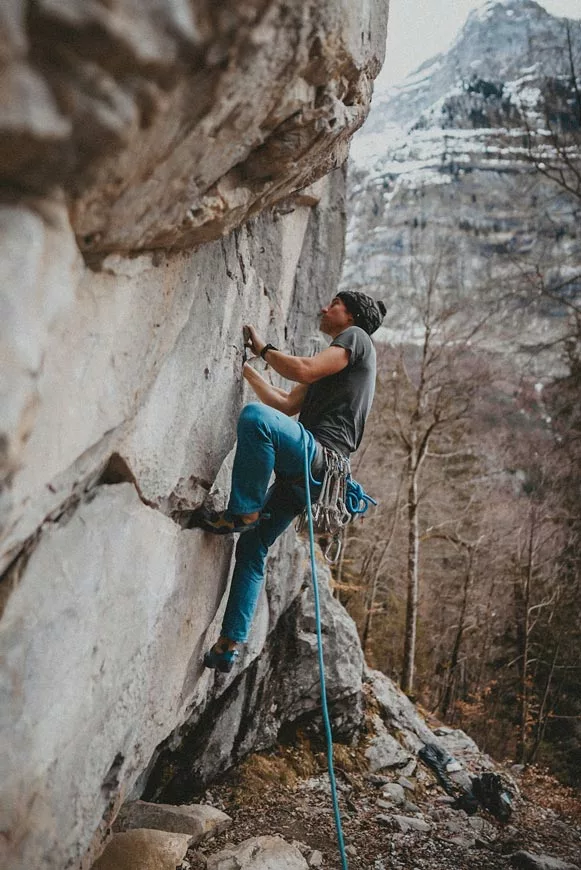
point(267, 347)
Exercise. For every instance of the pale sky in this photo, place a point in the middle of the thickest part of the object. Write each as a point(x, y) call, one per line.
point(418, 29)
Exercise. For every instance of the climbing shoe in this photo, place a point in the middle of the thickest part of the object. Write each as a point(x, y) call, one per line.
point(222, 661)
point(219, 522)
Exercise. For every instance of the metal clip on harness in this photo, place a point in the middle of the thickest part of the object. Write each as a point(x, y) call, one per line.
point(330, 514)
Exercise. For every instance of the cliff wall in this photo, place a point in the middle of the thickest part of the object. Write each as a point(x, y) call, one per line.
point(159, 167)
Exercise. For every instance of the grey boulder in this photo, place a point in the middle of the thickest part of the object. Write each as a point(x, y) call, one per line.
point(530, 861)
point(259, 853)
point(408, 823)
point(198, 820)
point(144, 850)
point(394, 793)
point(398, 711)
point(384, 750)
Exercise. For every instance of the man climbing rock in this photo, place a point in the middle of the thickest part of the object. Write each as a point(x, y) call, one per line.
point(333, 396)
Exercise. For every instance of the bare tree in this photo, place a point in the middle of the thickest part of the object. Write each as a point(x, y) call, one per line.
point(427, 407)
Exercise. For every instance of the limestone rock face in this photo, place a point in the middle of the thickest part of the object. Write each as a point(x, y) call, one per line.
point(170, 122)
point(145, 355)
point(246, 710)
point(108, 603)
point(399, 712)
point(141, 145)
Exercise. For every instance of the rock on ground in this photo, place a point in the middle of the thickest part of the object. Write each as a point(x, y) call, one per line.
point(263, 801)
point(197, 820)
point(384, 750)
point(259, 853)
point(530, 861)
point(399, 712)
point(409, 823)
point(144, 850)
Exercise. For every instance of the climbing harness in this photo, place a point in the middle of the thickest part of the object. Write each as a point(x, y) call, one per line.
point(341, 499)
point(326, 720)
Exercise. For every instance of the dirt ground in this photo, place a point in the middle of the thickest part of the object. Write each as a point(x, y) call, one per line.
point(286, 792)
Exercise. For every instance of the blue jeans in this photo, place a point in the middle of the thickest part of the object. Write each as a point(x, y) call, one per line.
point(268, 441)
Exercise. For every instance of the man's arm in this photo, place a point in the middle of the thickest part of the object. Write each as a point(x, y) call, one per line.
point(288, 403)
point(304, 369)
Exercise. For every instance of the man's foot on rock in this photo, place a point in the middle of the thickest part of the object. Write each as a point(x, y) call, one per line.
point(221, 522)
point(221, 659)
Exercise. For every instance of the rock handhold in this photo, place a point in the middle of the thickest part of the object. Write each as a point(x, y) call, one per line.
point(198, 820)
point(529, 861)
point(259, 853)
point(143, 849)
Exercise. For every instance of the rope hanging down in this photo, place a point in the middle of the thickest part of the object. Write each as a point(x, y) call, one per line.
point(326, 720)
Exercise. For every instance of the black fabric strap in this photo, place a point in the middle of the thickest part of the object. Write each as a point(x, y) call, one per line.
point(267, 347)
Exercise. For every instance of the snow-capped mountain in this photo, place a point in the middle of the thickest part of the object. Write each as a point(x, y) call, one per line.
point(440, 168)
point(502, 40)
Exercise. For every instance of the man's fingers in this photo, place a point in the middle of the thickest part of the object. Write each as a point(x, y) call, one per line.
point(251, 338)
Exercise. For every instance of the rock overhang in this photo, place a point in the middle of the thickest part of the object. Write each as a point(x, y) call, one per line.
point(169, 129)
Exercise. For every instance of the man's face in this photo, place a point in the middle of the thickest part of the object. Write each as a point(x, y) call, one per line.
point(335, 317)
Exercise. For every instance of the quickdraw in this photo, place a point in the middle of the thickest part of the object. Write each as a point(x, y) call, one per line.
point(341, 499)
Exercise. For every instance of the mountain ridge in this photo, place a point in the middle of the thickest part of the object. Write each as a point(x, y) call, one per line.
point(498, 40)
point(449, 169)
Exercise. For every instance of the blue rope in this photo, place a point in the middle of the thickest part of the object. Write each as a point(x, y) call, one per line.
point(356, 499)
point(326, 720)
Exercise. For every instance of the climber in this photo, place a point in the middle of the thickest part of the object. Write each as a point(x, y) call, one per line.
point(333, 395)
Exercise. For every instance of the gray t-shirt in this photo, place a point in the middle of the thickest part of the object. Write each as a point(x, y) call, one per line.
point(336, 407)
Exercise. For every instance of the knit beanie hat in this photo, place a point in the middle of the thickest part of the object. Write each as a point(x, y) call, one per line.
point(367, 312)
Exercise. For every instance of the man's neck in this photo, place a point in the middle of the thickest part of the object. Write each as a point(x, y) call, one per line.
point(333, 335)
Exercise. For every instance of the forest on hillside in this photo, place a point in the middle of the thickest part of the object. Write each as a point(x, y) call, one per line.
point(465, 581)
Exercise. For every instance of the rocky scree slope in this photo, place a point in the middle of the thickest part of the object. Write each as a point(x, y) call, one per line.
point(440, 174)
point(136, 145)
point(396, 811)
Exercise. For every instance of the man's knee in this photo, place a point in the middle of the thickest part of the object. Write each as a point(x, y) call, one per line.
point(253, 416)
